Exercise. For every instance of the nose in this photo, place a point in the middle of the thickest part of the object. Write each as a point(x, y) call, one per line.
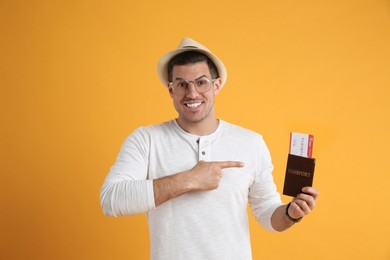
point(191, 91)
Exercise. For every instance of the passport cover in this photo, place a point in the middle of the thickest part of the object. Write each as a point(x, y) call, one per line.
point(299, 174)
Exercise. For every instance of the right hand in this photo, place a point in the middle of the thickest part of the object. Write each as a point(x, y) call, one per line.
point(207, 175)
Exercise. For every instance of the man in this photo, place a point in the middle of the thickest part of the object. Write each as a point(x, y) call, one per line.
point(194, 175)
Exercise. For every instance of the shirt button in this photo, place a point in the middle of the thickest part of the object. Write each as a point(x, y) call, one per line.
point(203, 153)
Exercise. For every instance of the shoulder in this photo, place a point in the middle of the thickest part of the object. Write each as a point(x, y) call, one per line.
point(240, 132)
point(143, 136)
point(151, 131)
point(157, 129)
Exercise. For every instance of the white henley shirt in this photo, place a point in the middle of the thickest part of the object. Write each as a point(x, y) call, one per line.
point(197, 225)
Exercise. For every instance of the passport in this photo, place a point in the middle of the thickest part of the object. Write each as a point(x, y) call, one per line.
point(300, 165)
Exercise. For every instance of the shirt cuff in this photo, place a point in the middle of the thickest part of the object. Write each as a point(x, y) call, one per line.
point(150, 192)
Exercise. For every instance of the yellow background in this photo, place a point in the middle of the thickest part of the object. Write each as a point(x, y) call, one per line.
point(77, 77)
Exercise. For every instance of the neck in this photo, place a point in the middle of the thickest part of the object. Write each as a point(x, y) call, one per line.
point(199, 128)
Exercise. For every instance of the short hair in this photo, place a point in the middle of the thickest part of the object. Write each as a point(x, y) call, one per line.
point(192, 57)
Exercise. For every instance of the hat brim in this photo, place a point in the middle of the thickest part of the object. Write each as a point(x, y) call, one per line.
point(162, 67)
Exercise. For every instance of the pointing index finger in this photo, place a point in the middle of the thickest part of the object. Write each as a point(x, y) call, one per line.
point(229, 164)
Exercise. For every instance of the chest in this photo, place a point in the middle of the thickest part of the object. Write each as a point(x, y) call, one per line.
point(171, 156)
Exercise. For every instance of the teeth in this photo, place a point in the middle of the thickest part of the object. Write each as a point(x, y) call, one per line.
point(193, 105)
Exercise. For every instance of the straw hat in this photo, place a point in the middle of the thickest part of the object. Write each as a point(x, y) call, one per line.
point(188, 44)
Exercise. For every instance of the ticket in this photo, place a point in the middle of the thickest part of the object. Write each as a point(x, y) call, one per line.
point(301, 144)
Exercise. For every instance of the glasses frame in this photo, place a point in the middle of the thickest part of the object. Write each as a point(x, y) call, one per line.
point(193, 82)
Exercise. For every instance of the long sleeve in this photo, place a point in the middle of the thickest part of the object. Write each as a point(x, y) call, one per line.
point(126, 189)
point(263, 196)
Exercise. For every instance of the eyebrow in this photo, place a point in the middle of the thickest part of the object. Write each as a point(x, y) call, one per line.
point(178, 78)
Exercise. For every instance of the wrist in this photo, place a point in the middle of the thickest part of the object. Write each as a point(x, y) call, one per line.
point(184, 178)
point(295, 220)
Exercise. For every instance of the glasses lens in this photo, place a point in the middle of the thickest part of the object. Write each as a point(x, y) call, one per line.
point(203, 84)
point(180, 86)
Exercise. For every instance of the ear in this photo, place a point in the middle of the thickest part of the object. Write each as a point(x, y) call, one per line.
point(170, 90)
point(217, 86)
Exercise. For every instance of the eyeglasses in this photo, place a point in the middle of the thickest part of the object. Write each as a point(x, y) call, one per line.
point(201, 85)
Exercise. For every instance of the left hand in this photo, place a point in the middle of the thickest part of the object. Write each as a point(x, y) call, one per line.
point(304, 203)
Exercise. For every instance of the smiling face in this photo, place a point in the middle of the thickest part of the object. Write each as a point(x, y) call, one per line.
point(196, 110)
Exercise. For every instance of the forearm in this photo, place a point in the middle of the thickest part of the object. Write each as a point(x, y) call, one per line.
point(203, 176)
point(129, 197)
point(170, 187)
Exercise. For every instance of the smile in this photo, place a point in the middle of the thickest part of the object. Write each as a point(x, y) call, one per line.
point(193, 105)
